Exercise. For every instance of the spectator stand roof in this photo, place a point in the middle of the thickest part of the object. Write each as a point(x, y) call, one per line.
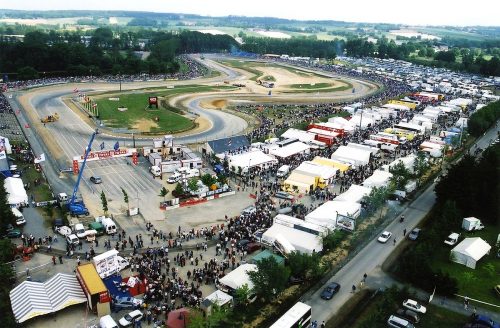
point(31, 299)
point(228, 144)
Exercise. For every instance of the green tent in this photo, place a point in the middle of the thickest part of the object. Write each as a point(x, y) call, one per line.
point(267, 253)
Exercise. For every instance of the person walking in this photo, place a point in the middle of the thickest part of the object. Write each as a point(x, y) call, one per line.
point(394, 242)
point(353, 289)
point(364, 277)
point(53, 259)
point(60, 259)
point(404, 232)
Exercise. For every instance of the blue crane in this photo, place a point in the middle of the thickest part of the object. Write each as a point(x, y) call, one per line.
point(78, 207)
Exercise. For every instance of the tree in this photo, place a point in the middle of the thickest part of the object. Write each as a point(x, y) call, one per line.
point(193, 184)
point(163, 192)
point(333, 239)
point(270, 279)
point(421, 165)
point(400, 176)
point(104, 202)
point(6, 215)
point(27, 73)
point(179, 190)
point(376, 199)
point(241, 295)
point(305, 265)
point(125, 198)
point(208, 180)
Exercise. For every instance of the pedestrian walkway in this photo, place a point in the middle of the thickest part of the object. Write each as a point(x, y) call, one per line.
point(377, 279)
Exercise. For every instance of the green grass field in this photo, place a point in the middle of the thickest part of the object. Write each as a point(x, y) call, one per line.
point(139, 117)
point(475, 283)
point(309, 86)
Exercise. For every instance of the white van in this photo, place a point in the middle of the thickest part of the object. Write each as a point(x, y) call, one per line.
point(107, 322)
point(283, 171)
point(108, 223)
point(19, 216)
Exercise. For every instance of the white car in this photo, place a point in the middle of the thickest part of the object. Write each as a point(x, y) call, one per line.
point(64, 230)
point(72, 239)
point(414, 306)
point(130, 318)
point(384, 237)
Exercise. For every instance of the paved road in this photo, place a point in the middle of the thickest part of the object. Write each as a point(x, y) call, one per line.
point(370, 259)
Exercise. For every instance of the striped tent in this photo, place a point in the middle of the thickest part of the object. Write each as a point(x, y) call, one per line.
point(31, 299)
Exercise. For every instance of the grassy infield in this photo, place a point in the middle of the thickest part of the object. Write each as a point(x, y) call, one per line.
point(137, 108)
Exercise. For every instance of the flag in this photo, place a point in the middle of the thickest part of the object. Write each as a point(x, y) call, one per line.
point(229, 142)
point(116, 146)
point(102, 145)
point(40, 158)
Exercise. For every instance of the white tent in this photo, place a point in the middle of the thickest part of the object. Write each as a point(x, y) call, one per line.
point(469, 251)
point(220, 298)
point(15, 188)
point(299, 240)
point(30, 299)
point(354, 194)
point(290, 150)
point(324, 172)
point(328, 211)
point(238, 277)
point(250, 159)
point(352, 155)
point(408, 162)
point(298, 134)
point(379, 178)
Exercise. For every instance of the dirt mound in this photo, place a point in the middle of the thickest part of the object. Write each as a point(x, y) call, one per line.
point(219, 103)
point(144, 125)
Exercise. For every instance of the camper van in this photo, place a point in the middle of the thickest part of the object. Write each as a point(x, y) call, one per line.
point(108, 223)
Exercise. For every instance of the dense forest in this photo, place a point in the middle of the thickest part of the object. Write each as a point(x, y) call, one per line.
point(59, 54)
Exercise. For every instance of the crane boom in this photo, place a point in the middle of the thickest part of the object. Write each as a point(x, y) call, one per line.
point(87, 151)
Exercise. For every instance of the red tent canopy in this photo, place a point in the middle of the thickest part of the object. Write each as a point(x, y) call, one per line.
point(178, 318)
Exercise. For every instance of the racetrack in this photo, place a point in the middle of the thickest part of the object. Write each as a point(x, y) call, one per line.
point(69, 136)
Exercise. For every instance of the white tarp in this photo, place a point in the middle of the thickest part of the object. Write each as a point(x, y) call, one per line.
point(378, 179)
point(239, 277)
point(31, 299)
point(354, 194)
point(16, 192)
point(328, 211)
point(469, 251)
point(302, 241)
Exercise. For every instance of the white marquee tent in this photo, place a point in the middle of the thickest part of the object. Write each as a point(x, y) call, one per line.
point(327, 213)
point(15, 188)
point(354, 194)
point(469, 251)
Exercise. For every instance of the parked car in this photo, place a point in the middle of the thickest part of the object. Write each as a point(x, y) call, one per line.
point(95, 179)
point(63, 230)
point(330, 291)
point(20, 221)
point(242, 243)
point(122, 303)
point(409, 315)
point(397, 322)
point(248, 210)
point(14, 233)
point(72, 239)
point(130, 318)
point(413, 235)
point(252, 247)
point(258, 234)
point(384, 237)
point(485, 320)
point(414, 306)
point(283, 195)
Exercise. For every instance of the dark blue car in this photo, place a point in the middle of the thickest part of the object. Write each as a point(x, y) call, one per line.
point(330, 290)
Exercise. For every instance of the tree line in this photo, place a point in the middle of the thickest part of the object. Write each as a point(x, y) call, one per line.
point(483, 119)
point(51, 54)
